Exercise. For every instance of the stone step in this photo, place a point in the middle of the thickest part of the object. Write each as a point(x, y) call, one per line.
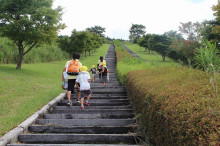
point(101, 96)
point(74, 103)
point(92, 107)
point(103, 100)
point(71, 145)
point(89, 116)
point(84, 130)
point(79, 138)
point(94, 111)
point(85, 122)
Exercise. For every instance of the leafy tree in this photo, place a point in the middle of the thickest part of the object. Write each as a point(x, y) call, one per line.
point(136, 31)
point(174, 35)
point(28, 23)
point(98, 30)
point(183, 50)
point(143, 41)
point(190, 30)
point(160, 44)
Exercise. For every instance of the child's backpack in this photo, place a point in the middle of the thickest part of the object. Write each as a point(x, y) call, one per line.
point(73, 68)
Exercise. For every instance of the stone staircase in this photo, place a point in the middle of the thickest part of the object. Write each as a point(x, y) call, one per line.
point(108, 121)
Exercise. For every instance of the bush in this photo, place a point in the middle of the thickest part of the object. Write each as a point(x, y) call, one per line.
point(176, 106)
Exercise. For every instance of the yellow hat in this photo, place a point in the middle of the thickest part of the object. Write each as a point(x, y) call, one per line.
point(103, 63)
point(93, 66)
point(84, 68)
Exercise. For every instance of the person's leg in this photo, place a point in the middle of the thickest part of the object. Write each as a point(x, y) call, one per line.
point(78, 95)
point(82, 101)
point(89, 93)
point(69, 91)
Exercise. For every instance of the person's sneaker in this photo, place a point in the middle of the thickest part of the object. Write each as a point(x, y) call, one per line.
point(69, 103)
point(82, 107)
point(86, 103)
point(77, 100)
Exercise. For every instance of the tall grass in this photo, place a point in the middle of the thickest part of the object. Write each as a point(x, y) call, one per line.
point(23, 92)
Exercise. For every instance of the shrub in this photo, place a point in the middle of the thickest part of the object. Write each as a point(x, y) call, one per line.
point(177, 106)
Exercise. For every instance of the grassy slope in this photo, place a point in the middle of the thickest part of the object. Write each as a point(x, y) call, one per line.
point(154, 59)
point(23, 92)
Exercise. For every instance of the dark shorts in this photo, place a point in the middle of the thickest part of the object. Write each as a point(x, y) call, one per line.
point(71, 84)
point(104, 79)
point(85, 93)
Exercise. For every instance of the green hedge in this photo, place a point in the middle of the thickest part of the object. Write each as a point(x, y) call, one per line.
point(175, 105)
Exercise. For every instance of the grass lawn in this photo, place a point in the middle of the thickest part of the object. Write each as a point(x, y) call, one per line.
point(23, 92)
point(153, 59)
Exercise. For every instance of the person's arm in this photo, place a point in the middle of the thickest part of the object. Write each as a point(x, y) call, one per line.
point(77, 85)
point(102, 70)
point(62, 73)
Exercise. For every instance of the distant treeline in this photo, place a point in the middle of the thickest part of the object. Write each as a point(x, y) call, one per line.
point(44, 53)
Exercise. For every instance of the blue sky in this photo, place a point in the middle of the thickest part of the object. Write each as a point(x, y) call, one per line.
point(117, 16)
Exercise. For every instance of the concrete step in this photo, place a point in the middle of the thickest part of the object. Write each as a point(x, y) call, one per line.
point(89, 116)
point(101, 96)
point(71, 145)
point(85, 122)
point(92, 107)
point(74, 103)
point(84, 130)
point(94, 111)
point(103, 100)
point(79, 138)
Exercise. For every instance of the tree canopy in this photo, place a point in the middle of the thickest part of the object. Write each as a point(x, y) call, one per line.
point(28, 23)
point(136, 31)
point(98, 30)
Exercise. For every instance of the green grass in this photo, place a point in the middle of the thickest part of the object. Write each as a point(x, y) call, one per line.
point(127, 64)
point(23, 92)
point(153, 59)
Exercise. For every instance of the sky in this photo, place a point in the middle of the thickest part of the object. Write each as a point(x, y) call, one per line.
point(117, 16)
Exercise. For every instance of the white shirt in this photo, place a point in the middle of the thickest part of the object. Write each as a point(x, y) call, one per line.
point(82, 79)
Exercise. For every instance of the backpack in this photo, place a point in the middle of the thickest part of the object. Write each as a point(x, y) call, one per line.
point(73, 68)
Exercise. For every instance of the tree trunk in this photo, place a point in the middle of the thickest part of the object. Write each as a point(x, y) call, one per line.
point(20, 57)
point(85, 53)
point(163, 56)
point(89, 52)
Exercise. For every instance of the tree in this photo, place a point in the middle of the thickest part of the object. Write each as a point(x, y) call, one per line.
point(98, 30)
point(136, 31)
point(28, 23)
point(143, 41)
point(160, 44)
point(190, 30)
point(174, 35)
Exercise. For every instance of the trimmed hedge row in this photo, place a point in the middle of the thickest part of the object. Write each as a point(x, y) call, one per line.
point(175, 106)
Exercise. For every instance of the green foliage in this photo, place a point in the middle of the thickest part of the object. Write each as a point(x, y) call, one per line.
point(177, 105)
point(43, 53)
point(28, 23)
point(207, 57)
point(136, 31)
point(98, 30)
point(80, 41)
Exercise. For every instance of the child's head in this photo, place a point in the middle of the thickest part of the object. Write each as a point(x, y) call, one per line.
point(84, 68)
point(93, 66)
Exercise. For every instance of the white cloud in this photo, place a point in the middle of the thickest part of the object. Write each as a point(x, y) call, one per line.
point(117, 16)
